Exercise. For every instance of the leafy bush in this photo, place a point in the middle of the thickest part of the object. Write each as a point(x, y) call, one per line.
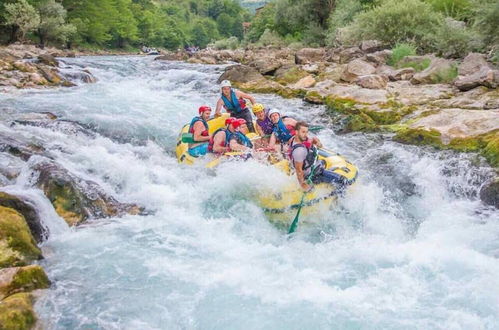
point(395, 21)
point(453, 39)
point(265, 20)
point(458, 9)
point(271, 38)
point(400, 51)
point(418, 66)
point(229, 43)
point(343, 14)
point(486, 22)
point(22, 16)
point(446, 76)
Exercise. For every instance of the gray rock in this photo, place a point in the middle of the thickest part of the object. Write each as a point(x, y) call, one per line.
point(369, 46)
point(355, 69)
point(372, 81)
point(240, 74)
point(310, 55)
point(489, 194)
point(402, 74)
point(349, 54)
point(472, 63)
point(484, 77)
point(379, 57)
point(432, 74)
point(48, 59)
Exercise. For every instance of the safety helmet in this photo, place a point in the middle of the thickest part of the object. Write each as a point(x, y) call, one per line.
point(272, 111)
point(204, 108)
point(229, 120)
point(225, 83)
point(238, 122)
point(258, 108)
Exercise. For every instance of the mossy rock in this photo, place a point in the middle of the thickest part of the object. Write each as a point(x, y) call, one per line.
point(341, 105)
point(491, 150)
point(314, 97)
point(360, 123)
point(289, 93)
point(23, 279)
point(17, 245)
point(16, 312)
point(465, 144)
point(385, 117)
point(290, 75)
point(419, 136)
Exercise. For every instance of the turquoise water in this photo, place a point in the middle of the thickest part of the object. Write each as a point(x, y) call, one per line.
point(408, 247)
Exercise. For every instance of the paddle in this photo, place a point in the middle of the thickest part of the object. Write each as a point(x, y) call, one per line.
point(315, 128)
point(294, 224)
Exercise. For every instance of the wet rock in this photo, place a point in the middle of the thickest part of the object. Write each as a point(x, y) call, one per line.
point(369, 46)
point(51, 75)
point(16, 311)
point(22, 279)
point(289, 74)
point(24, 66)
point(311, 68)
point(402, 74)
point(309, 55)
point(372, 81)
point(76, 199)
point(358, 94)
point(83, 76)
point(20, 147)
point(266, 66)
point(240, 74)
point(28, 211)
point(380, 57)
point(332, 72)
point(10, 166)
point(408, 94)
point(208, 60)
point(48, 59)
point(489, 194)
point(356, 69)
point(439, 71)
point(17, 245)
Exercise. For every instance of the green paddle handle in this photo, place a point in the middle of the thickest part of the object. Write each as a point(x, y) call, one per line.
point(188, 138)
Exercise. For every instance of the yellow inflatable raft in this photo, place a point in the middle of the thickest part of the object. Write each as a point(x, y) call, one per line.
point(280, 207)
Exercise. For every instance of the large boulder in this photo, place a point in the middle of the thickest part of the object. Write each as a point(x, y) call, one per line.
point(22, 279)
point(76, 199)
point(489, 194)
point(356, 69)
point(402, 74)
point(48, 59)
point(370, 46)
point(290, 74)
point(472, 63)
point(379, 57)
point(409, 94)
point(266, 65)
point(310, 55)
point(23, 148)
point(439, 71)
point(305, 82)
point(17, 245)
point(480, 98)
point(484, 77)
point(372, 81)
point(28, 211)
point(240, 74)
point(348, 54)
point(356, 94)
point(332, 72)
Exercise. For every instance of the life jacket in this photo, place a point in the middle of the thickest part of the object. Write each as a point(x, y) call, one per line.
point(283, 132)
point(234, 105)
point(266, 124)
point(196, 119)
point(240, 137)
point(311, 153)
point(212, 139)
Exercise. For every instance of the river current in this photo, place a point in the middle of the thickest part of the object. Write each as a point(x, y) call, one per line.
point(410, 246)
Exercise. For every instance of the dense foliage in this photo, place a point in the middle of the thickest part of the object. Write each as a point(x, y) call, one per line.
point(450, 28)
point(121, 23)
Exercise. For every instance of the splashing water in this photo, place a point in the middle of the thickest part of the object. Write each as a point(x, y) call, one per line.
point(409, 246)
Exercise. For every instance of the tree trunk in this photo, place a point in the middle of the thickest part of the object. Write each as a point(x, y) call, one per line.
point(41, 36)
point(13, 34)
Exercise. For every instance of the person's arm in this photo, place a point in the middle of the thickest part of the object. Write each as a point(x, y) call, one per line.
point(198, 129)
point(236, 146)
point(272, 140)
point(259, 130)
point(317, 142)
point(290, 121)
point(217, 141)
point(244, 95)
point(218, 109)
point(301, 176)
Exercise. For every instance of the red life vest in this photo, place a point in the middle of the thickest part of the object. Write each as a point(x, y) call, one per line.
point(212, 139)
point(196, 119)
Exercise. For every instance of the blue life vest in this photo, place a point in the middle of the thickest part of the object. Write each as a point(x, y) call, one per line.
point(196, 119)
point(240, 137)
point(212, 139)
point(281, 131)
point(233, 104)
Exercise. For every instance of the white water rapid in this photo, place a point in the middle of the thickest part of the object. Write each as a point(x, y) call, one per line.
point(410, 246)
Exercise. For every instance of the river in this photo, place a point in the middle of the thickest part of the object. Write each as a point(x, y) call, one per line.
point(410, 246)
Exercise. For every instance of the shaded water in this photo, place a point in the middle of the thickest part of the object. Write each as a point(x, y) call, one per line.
point(409, 246)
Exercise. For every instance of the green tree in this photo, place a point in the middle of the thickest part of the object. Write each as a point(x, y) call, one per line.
point(124, 25)
point(53, 25)
point(22, 17)
point(203, 32)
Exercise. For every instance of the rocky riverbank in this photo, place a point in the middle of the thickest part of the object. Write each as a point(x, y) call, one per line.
point(73, 198)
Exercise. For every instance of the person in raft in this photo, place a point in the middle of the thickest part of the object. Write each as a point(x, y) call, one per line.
point(283, 128)
point(303, 157)
point(229, 138)
point(264, 126)
point(199, 130)
point(234, 102)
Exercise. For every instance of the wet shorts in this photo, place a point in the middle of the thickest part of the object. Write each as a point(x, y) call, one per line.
point(199, 150)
